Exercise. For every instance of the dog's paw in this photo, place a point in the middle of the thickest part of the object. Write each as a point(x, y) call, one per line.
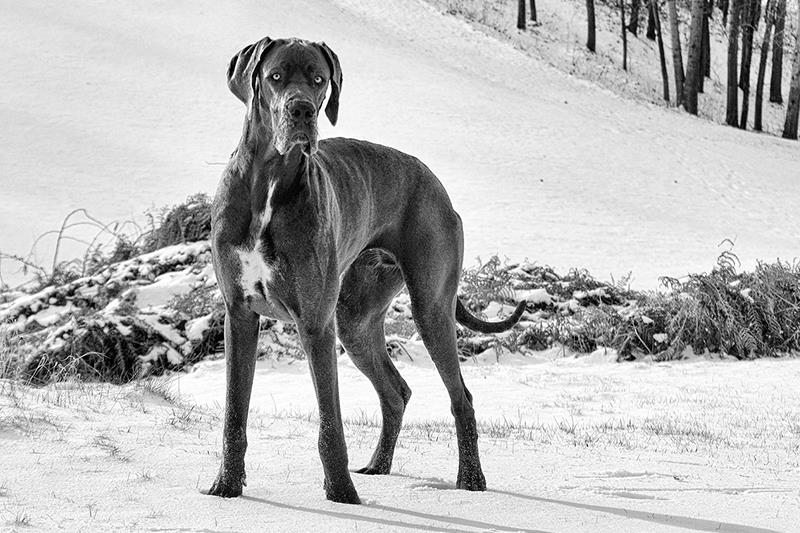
point(473, 480)
point(225, 487)
point(370, 470)
point(342, 493)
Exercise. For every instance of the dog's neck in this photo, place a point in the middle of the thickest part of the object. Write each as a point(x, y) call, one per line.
point(292, 177)
point(263, 164)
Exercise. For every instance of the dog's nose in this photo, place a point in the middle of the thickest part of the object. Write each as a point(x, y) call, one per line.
point(301, 110)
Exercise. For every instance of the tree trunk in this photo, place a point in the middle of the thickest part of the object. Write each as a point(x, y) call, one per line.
point(709, 11)
point(693, 73)
point(776, 78)
point(521, 14)
point(705, 51)
point(744, 22)
point(534, 16)
point(749, 21)
point(732, 108)
point(633, 24)
point(624, 35)
point(762, 65)
point(590, 38)
point(677, 56)
point(793, 107)
point(657, 24)
point(753, 14)
point(723, 6)
point(651, 22)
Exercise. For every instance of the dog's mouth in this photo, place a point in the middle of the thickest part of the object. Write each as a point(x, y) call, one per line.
point(289, 137)
point(306, 141)
point(300, 137)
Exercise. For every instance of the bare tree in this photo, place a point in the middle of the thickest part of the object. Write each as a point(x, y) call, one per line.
point(732, 107)
point(693, 73)
point(705, 51)
point(776, 78)
point(534, 16)
point(769, 20)
point(793, 107)
point(749, 21)
point(624, 35)
point(723, 6)
point(752, 14)
point(677, 55)
point(651, 22)
point(633, 24)
point(590, 38)
point(657, 25)
point(521, 14)
point(708, 11)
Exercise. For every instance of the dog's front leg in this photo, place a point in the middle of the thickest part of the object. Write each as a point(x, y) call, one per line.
point(320, 346)
point(241, 336)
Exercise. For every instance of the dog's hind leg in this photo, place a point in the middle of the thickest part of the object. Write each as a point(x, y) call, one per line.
point(367, 290)
point(432, 267)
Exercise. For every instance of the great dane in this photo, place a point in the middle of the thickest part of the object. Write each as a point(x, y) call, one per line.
point(325, 234)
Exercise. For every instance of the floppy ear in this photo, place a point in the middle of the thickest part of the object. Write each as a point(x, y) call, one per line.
point(244, 65)
point(332, 109)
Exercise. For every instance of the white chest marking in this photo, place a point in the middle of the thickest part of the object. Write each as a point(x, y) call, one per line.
point(253, 267)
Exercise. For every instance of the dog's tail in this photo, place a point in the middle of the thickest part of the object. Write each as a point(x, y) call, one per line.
point(465, 318)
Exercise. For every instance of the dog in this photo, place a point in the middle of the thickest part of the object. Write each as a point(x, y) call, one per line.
point(324, 234)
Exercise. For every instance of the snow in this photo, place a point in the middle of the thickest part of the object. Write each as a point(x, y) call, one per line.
point(196, 327)
point(538, 164)
point(51, 315)
point(165, 330)
point(579, 445)
point(534, 296)
point(168, 285)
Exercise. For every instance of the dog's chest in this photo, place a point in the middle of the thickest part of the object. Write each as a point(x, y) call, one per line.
point(256, 272)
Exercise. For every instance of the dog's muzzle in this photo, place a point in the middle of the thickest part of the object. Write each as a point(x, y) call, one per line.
point(297, 125)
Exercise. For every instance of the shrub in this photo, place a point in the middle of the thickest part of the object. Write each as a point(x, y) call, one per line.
point(744, 314)
point(485, 283)
point(186, 222)
point(93, 350)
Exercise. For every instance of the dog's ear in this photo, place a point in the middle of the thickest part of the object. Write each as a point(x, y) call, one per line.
point(243, 67)
point(332, 109)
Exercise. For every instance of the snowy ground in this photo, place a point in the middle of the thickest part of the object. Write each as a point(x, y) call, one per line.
point(567, 445)
point(124, 108)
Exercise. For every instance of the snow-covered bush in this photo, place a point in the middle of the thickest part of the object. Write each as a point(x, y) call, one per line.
point(186, 222)
point(145, 313)
point(115, 324)
point(743, 314)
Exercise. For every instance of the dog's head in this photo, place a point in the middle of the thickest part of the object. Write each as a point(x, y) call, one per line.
point(284, 82)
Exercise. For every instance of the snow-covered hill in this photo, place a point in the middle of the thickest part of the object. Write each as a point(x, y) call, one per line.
point(120, 109)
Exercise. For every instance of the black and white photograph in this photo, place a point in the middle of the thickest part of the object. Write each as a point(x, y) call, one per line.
point(445, 266)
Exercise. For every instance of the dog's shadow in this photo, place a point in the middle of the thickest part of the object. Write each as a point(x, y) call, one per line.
point(453, 524)
point(685, 522)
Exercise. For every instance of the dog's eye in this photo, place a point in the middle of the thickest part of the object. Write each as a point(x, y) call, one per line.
point(317, 79)
point(276, 76)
